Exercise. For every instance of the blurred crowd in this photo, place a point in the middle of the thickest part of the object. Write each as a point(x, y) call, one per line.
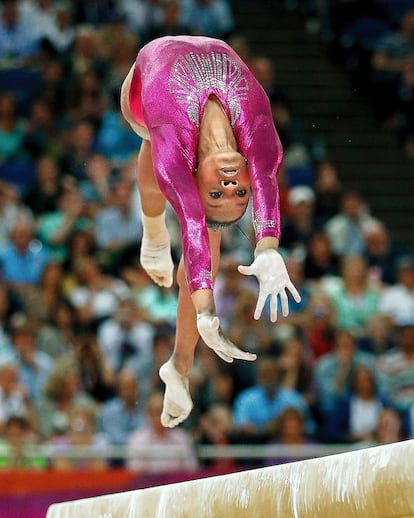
point(83, 330)
point(374, 41)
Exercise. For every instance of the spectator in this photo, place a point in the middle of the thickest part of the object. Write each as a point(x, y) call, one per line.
point(298, 227)
point(257, 408)
point(97, 295)
point(43, 195)
point(397, 301)
point(381, 253)
point(11, 209)
point(12, 130)
point(42, 136)
point(290, 432)
point(355, 416)
point(24, 258)
point(17, 437)
point(396, 368)
point(320, 261)
point(333, 371)
point(61, 393)
point(39, 14)
point(14, 401)
point(40, 302)
point(54, 228)
point(82, 433)
point(328, 191)
point(393, 52)
point(212, 18)
point(215, 428)
point(345, 229)
point(126, 335)
point(57, 334)
point(96, 377)
point(118, 228)
point(123, 414)
point(79, 150)
point(170, 22)
point(355, 301)
point(34, 366)
point(144, 444)
point(321, 326)
point(18, 39)
point(6, 309)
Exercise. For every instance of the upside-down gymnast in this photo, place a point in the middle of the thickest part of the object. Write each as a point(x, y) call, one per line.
point(209, 144)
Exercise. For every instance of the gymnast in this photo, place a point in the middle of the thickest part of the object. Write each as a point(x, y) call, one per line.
point(209, 144)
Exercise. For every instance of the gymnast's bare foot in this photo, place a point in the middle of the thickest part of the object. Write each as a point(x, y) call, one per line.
point(156, 260)
point(177, 399)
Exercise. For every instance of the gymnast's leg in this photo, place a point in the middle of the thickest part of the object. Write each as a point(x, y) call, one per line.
point(155, 253)
point(175, 372)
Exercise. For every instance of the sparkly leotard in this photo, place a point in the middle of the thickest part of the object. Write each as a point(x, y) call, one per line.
point(172, 81)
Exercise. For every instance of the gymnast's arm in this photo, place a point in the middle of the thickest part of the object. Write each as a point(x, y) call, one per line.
point(265, 155)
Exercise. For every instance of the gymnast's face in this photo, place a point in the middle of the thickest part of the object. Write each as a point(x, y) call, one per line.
point(224, 185)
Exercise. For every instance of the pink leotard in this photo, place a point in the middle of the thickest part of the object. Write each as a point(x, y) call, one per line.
point(172, 81)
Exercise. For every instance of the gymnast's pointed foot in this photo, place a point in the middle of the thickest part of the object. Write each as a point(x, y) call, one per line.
point(156, 260)
point(177, 399)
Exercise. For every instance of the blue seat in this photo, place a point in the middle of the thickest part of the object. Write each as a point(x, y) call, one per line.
point(24, 83)
point(20, 174)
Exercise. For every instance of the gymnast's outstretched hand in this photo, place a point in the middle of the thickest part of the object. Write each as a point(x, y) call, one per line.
point(208, 326)
point(270, 270)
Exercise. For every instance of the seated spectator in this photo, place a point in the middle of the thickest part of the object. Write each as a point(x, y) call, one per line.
point(355, 301)
point(321, 327)
point(6, 310)
point(396, 368)
point(170, 22)
point(39, 14)
point(320, 260)
point(14, 400)
point(256, 409)
point(91, 12)
point(355, 416)
point(333, 372)
point(215, 428)
point(42, 137)
point(40, 302)
point(11, 209)
point(140, 16)
point(17, 436)
point(34, 366)
point(24, 258)
point(212, 18)
point(18, 39)
point(290, 431)
point(390, 428)
point(379, 337)
point(298, 227)
point(345, 229)
point(381, 253)
point(61, 393)
point(12, 131)
point(57, 334)
point(156, 449)
point(96, 295)
point(43, 195)
point(296, 369)
point(86, 99)
point(397, 301)
point(123, 414)
point(126, 335)
point(96, 377)
point(62, 33)
point(82, 432)
point(54, 228)
point(81, 244)
point(78, 151)
point(118, 228)
point(328, 190)
point(394, 51)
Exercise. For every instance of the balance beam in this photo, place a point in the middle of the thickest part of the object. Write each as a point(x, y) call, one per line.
point(375, 482)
